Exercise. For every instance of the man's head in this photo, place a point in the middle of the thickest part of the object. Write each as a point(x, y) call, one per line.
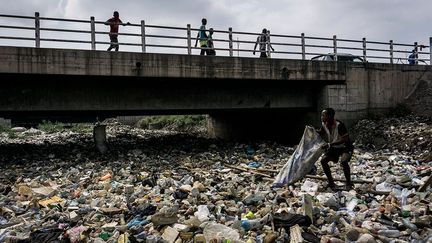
point(204, 21)
point(211, 30)
point(264, 30)
point(327, 115)
point(116, 14)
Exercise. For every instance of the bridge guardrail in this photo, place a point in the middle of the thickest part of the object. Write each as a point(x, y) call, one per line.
point(62, 33)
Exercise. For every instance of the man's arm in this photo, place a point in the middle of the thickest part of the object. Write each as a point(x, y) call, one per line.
point(256, 43)
point(196, 41)
point(344, 138)
point(269, 43)
point(271, 46)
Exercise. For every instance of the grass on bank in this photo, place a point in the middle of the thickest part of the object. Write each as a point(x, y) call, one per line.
point(53, 127)
point(182, 122)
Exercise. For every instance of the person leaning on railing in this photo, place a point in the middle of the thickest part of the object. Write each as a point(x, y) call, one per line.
point(114, 23)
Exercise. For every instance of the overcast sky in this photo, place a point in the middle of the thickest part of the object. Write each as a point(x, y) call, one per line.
point(403, 21)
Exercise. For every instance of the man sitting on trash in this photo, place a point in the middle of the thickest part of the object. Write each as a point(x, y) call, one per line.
point(338, 146)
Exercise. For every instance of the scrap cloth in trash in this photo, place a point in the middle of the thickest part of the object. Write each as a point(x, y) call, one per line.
point(302, 160)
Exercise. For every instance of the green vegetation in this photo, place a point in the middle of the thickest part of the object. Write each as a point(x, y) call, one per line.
point(180, 122)
point(81, 128)
point(4, 128)
point(52, 127)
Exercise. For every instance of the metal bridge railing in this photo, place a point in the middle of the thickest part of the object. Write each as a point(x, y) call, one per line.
point(38, 31)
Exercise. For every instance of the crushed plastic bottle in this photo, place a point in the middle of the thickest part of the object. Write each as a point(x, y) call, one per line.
point(390, 233)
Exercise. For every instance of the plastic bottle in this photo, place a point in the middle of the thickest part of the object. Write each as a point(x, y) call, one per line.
point(151, 239)
point(409, 225)
point(203, 213)
point(255, 223)
point(390, 233)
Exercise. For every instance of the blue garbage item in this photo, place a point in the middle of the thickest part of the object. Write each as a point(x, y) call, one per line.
point(245, 225)
point(250, 150)
point(137, 222)
point(254, 164)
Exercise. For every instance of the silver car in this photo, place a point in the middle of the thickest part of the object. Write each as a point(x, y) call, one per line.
point(342, 57)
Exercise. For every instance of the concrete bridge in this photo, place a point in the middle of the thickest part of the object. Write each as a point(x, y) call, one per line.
point(246, 97)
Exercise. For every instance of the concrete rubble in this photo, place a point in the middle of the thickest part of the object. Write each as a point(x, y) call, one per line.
point(165, 186)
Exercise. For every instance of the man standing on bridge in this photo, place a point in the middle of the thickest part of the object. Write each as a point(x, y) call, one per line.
point(114, 23)
point(263, 40)
point(338, 146)
point(202, 38)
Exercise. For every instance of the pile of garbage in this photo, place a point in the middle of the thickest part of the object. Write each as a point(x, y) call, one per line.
point(411, 134)
point(158, 186)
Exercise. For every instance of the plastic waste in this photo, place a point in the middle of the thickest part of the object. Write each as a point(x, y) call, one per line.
point(302, 160)
point(203, 213)
point(137, 222)
point(249, 224)
point(384, 187)
point(254, 164)
point(250, 150)
point(390, 233)
point(309, 187)
point(218, 231)
point(407, 223)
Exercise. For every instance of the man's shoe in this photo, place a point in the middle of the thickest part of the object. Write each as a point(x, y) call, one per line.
point(332, 186)
point(349, 186)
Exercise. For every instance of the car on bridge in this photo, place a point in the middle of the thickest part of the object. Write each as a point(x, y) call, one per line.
point(342, 57)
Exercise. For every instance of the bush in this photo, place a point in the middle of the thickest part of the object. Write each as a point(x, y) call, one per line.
point(4, 128)
point(51, 127)
point(178, 122)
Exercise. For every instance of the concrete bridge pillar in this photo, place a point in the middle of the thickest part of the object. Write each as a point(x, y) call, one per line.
point(99, 136)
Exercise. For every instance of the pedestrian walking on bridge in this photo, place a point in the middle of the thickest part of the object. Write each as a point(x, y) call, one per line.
point(263, 40)
point(114, 23)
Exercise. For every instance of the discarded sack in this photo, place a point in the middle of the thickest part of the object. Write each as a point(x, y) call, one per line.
point(302, 160)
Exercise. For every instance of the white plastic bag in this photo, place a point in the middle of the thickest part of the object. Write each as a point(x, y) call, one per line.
point(302, 160)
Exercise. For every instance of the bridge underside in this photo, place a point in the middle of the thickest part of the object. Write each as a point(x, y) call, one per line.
point(236, 108)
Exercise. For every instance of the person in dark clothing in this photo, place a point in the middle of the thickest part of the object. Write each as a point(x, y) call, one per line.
point(338, 145)
point(263, 40)
point(413, 57)
point(114, 23)
point(211, 51)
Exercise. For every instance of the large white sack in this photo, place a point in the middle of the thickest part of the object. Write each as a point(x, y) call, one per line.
point(302, 160)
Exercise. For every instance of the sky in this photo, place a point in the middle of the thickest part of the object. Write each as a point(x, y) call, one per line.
point(404, 21)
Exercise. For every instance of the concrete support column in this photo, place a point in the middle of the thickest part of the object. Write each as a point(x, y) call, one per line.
point(99, 136)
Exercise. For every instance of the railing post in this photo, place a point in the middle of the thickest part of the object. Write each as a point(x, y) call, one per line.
point(364, 50)
point(93, 33)
point(37, 30)
point(335, 47)
point(416, 52)
point(303, 46)
point(391, 51)
point(189, 41)
point(268, 44)
point(143, 36)
point(430, 50)
point(230, 43)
